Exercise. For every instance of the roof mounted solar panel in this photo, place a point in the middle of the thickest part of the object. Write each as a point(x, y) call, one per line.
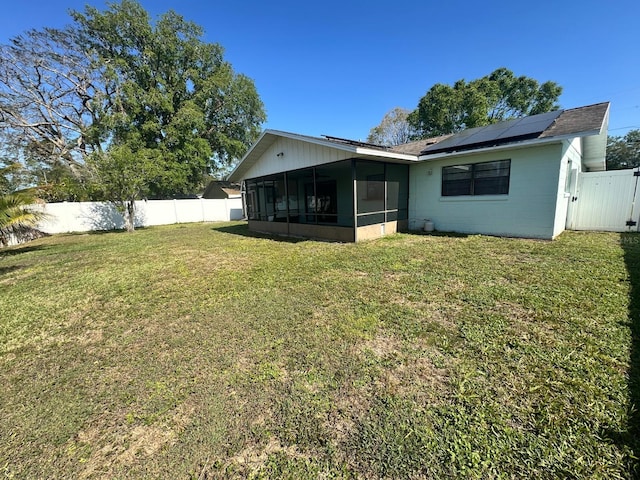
point(529, 125)
point(503, 132)
point(355, 143)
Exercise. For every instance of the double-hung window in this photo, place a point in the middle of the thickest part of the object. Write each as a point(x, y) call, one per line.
point(486, 178)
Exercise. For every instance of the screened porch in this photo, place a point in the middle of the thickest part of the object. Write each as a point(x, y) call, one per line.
point(349, 200)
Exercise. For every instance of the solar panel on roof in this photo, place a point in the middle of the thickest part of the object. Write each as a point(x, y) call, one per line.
point(529, 125)
point(495, 133)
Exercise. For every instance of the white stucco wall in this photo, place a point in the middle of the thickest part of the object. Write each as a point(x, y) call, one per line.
point(529, 210)
point(295, 155)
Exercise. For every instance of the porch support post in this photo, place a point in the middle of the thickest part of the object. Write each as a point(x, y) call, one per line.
point(355, 200)
point(286, 199)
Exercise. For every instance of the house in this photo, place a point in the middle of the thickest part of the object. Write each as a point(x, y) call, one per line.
point(514, 178)
point(218, 189)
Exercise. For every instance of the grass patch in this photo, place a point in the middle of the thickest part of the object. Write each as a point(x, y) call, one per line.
point(202, 351)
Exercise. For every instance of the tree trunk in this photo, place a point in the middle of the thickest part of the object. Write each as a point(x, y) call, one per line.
point(130, 216)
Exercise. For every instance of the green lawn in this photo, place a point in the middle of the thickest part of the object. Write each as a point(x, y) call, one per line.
point(201, 351)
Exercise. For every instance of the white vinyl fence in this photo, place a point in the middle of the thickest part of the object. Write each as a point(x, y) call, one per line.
point(606, 201)
point(87, 216)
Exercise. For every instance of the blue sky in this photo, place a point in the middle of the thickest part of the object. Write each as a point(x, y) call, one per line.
point(336, 67)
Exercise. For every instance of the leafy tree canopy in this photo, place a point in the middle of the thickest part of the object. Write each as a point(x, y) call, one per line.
point(116, 80)
point(623, 152)
point(490, 99)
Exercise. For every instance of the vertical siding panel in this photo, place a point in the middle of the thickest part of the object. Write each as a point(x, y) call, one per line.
point(604, 200)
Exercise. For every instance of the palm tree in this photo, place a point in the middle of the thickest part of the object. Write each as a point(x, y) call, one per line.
point(17, 216)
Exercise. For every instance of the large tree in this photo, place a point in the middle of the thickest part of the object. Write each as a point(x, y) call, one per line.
point(172, 93)
point(115, 81)
point(49, 99)
point(623, 152)
point(394, 129)
point(493, 98)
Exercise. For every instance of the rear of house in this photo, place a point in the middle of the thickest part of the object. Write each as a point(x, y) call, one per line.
point(516, 178)
point(520, 192)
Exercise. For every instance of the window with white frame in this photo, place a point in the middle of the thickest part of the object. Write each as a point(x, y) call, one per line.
point(486, 178)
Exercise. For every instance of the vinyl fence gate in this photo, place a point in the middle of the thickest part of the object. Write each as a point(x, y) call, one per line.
point(606, 201)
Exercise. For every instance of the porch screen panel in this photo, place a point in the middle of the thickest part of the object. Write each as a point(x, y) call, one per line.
point(334, 190)
point(397, 192)
point(262, 200)
point(251, 200)
point(301, 197)
point(370, 197)
point(276, 205)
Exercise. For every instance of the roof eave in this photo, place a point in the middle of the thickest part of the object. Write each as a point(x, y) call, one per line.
point(386, 154)
point(268, 137)
point(232, 176)
point(258, 148)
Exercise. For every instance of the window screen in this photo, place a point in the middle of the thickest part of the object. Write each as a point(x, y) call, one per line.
point(487, 178)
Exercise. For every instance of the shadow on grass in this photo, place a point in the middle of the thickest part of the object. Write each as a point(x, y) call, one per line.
point(243, 230)
point(436, 233)
point(18, 250)
point(631, 246)
point(9, 269)
point(101, 232)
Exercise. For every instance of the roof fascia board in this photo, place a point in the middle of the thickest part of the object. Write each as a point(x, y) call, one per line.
point(383, 154)
point(348, 148)
point(316, 141)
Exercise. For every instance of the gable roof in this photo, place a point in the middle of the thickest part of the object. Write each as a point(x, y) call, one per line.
point(360, 149)
point(589, 122)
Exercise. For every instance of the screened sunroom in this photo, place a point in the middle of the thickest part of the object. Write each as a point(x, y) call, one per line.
point(346, 201)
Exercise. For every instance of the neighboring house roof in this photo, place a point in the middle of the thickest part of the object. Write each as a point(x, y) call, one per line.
point(222, 189)
point(589, 122)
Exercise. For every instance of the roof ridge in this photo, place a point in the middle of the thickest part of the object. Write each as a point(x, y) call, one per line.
point(586, 106)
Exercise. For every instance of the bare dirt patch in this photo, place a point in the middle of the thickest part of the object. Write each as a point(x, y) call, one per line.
point(382, 346)
point(114, 446)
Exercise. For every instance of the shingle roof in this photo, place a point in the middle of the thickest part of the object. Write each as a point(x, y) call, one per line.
point(415, 147)
point(587, 119)
point(577, 120)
